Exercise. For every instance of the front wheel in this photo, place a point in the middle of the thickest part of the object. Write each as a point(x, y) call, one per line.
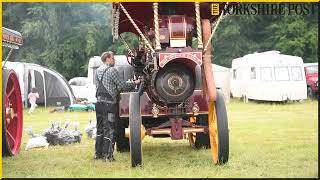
point(218, 130)
point(135, 129)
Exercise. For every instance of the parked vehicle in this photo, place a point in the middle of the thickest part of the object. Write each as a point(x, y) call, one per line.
point(178, 95)
point(80, 87)
point(311, 70)
point(268, 76)
point(12, 107)
point(121, 64)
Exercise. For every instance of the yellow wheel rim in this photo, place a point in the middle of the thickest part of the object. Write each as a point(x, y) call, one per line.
point(213, 131)
point(192, 136)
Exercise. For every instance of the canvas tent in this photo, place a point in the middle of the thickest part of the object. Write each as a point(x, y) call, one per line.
point(222, 79)
point(53, 88)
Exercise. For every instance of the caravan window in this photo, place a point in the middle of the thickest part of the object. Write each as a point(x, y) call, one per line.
point(253, 73)
point(266, 74)
point(281, 73)
point(296, 73)
point(234, 74)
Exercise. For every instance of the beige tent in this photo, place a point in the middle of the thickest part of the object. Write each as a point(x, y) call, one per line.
point(222, 79)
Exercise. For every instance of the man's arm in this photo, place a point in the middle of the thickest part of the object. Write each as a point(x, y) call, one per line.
point(119, 82)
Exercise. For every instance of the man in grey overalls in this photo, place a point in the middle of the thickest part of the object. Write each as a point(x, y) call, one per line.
point(109, 84)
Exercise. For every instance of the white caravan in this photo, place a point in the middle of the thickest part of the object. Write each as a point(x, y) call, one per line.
point(94, 63)
point(268, 76)
point(80, 87)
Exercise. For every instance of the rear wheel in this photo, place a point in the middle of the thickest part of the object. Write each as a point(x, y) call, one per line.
point(12, 113)
point(202, 139)
point(135, 129)
point(122, 142)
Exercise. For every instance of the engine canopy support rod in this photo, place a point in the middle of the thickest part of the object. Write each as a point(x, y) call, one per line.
point(215, 28)
point(156, 25)
point(136, 27)
point(198, 20)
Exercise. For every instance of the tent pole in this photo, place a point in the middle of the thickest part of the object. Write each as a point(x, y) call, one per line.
point(44, 90)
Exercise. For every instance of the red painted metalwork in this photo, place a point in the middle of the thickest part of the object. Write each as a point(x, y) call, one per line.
point(164, 58)
point(207, 66)
point(146, 105)
point(13, 113)
point(176, 129)
point(12, 108)
point(12, 37)
point(142, 19)
point(169, 64)
point(177, 27)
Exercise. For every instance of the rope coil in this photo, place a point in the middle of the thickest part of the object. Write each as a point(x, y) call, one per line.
point(156, 25)
point(198, 21)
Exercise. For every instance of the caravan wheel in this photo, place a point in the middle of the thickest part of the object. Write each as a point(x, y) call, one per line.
point(12, 113)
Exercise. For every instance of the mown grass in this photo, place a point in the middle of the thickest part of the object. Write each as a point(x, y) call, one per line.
point(266, 140)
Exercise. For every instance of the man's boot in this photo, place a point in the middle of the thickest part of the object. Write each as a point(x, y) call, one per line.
point(99, 147)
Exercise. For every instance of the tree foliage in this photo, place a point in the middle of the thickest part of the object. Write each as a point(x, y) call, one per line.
point(63, 36)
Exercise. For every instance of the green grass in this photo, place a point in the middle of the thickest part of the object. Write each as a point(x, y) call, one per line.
point(266, 140)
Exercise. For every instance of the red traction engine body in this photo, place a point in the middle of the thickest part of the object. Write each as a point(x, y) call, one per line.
point(178, 91)
point(12, 107)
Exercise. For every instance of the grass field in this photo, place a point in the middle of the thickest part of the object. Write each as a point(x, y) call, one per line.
point(266, 140)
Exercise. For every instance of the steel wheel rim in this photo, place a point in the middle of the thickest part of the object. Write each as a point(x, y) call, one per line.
point(213, 132)
point(192, 136)
point(13, 114)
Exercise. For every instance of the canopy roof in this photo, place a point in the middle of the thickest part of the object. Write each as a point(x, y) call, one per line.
point(142, 13)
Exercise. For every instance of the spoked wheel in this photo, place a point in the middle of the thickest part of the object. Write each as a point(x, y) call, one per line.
point(12, 113)
point(192, 136)
point(218, 130)
point(122, 142)
point(199, 140)
point(135, 129)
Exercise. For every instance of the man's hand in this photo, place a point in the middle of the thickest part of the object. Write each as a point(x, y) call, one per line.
point(137, 82)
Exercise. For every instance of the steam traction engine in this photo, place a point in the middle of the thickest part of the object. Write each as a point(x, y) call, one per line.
point(177, 97)
point(12, 109)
